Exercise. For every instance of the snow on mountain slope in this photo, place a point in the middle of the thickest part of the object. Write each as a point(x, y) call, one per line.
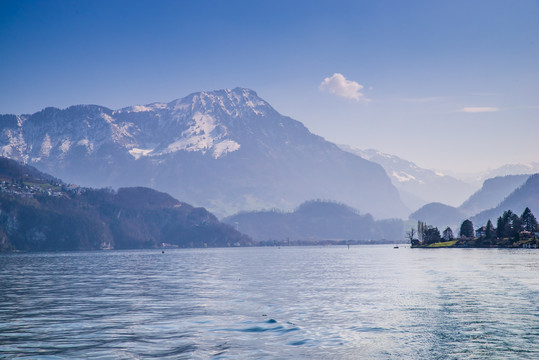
point(227, 150)
point(514, 169)
point(418, 186)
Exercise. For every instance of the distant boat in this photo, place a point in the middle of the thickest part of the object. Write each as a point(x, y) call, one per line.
point(396, 247)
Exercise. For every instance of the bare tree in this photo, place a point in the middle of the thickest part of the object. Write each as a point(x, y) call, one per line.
point(410, 234)
point(448, 234)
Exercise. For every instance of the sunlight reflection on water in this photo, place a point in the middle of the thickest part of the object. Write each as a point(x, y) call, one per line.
point(367, 302)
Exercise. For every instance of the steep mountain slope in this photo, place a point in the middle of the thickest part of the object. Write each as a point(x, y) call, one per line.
point(315, 221)
point(39, 213)
point(492, 193)
point(526, 195)
point(227, 150)
point(417, 186)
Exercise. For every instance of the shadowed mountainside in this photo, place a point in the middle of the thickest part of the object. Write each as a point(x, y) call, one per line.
point(526, 195)
point(492, 196)
point(39, 213)
point(492, 192)
point(316, 221)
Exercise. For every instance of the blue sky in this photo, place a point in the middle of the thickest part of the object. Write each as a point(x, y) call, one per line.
point(447, 84)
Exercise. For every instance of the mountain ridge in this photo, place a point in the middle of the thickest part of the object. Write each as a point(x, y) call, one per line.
point(226, 150)
point(41, 213)
point(316, 221)
point(492, 192)
point(417, 186)
point(526, 195)
point(498, 194)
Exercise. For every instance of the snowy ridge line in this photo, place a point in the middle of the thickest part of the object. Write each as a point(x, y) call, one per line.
point(186, 124)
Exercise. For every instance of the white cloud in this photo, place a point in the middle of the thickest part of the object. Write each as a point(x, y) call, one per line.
point(337, 84)
point(479, 109)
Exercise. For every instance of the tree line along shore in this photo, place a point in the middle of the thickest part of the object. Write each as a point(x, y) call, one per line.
point(511, 231)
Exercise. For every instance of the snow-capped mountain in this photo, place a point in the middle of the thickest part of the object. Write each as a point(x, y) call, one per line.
point(514, 169)
point(418, 186)
point(227, 150)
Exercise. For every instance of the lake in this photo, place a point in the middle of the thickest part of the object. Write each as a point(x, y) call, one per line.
point(365, 302)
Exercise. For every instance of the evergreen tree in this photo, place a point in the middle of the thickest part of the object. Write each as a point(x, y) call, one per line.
point(505, 226)
point(516, 226)
point(431, 235)
point(528, 220)
point(466, 229)
point(448, 234)
point(500, 227)
point(509, 225)
point(489, 232)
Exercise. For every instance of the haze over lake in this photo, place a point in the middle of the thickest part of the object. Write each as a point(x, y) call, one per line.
point(161, 162)
point(369, 302)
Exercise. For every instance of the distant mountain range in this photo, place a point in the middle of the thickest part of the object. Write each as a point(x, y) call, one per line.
point(492, 192)
point(316, 221)
point(416, 185)
point(527, 195)
point(226, 150)
point(512, 192)
point(513, 169)
point(41, 213)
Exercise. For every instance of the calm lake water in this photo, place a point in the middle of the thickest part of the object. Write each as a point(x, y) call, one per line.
point(366, 302)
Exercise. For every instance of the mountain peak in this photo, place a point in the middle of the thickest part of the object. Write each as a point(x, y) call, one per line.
point(237, 92)
point(233, 102)
point(224, 149)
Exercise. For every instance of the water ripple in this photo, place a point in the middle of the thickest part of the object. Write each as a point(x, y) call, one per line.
point(268, 303)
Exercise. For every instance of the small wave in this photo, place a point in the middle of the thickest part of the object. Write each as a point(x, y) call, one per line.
point(299, 342)
point(178, 350)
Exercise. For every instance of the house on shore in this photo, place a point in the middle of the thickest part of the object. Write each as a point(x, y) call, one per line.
point(481, 232)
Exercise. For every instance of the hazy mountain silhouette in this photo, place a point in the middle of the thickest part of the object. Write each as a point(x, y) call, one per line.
point(492, 192)
point(524, 196)
point(315, 221)
point(439, 215)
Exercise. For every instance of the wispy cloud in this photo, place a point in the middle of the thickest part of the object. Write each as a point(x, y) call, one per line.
point(338, 85)
point(424, 99)
point(479, 109)
point(484, 94)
